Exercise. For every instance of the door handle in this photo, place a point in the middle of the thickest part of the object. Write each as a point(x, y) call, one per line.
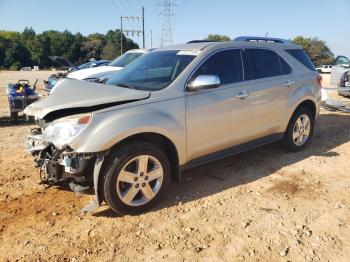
point(289, 83)
point(242, 95)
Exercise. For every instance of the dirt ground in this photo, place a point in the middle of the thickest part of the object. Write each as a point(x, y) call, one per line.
point(262, 205)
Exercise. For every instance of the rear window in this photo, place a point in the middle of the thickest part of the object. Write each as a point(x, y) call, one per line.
point(286, 69)
point(261, 63)
point(302, 57)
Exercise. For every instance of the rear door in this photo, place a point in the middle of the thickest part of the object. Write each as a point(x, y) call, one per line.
point(271, 80)
point(218, 118)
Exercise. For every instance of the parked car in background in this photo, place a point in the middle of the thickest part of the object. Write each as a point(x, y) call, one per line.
point(340, 67)
point(90, 64)
point(69, 67)
point(27, 68)
point(324, 69)
point(104, 72)
point(172, 109)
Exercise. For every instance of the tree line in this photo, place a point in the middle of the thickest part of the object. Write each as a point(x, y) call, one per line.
point(317, 49)
point(20, 49)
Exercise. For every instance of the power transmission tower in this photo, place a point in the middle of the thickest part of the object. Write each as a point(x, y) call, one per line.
point(167, 13)
point(132, 32)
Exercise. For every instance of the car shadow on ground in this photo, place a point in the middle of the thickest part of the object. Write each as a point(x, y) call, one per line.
point(331, 130)
point(6, 121)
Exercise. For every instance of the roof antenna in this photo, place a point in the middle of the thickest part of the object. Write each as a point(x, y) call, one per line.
point(266, 36)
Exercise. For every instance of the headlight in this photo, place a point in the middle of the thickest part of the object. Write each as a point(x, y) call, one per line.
point(63, 130)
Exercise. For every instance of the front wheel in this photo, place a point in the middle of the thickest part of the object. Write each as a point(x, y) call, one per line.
point(299, 130)
point(138, 174)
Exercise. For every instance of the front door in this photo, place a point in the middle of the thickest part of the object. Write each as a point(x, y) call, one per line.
point(218, 118)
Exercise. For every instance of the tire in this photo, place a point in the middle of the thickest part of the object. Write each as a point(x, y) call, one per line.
point(126, 160)
point(296, 144)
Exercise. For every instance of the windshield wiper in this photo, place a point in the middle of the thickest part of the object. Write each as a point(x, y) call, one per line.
point(126, 85)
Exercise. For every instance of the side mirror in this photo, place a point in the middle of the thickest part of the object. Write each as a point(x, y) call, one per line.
point(204, 82)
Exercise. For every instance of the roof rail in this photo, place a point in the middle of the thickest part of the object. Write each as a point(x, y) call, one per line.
point(261, 39)
point(200, 41)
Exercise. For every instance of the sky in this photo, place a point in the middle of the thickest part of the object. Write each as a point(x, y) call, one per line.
point(193, 19)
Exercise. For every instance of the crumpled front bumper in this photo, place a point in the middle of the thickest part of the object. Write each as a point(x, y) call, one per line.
point(35, 143)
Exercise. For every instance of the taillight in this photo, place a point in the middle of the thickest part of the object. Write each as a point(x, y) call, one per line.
point(319, 80)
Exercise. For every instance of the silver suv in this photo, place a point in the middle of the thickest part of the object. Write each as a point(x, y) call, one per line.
point(173, 109)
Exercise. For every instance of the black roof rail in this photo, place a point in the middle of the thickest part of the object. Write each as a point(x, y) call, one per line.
point(261, 39)
point(200, 41)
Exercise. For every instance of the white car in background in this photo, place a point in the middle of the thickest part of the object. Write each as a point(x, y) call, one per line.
point(98, 74)
point(324, 69)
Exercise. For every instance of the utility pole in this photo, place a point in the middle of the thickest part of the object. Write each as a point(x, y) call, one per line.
point(121, 35)
point(167, 13)
point(151, 40)
point(132, 31)
point(143, 27)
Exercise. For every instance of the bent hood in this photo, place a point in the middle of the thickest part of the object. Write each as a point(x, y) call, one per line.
point(75, 96)
point(94, 72)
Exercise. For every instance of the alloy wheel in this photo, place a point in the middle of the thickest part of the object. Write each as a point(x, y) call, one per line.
point(139, 180)
point(301, 130)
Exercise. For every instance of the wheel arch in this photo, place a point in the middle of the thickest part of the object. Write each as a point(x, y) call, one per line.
point(165, 143)
point(309, 104)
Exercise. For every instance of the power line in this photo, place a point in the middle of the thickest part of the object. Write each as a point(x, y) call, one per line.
point(125, 7)
point(184, 5)
point(131, 6)
point(167, 13)
point(116, 6)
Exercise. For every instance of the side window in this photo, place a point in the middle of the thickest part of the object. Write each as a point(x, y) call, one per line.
point(227, 65)
point(261, 63)
point(302, 57)
point(286, 69)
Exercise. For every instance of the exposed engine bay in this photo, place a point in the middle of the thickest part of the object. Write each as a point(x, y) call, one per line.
point(57, 165)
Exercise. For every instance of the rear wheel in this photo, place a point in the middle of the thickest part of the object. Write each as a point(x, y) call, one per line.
point(138, 174)
point(299, 130)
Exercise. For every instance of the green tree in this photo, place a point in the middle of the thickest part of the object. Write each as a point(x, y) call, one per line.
point(28, 48)
point(317, 49)
point(216, 37)
point(112, 48)
point(16, 55)
point(93, 45)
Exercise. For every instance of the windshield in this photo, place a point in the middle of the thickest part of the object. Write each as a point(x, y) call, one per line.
point(125, 59)
point(153, 71)
point(83, 66)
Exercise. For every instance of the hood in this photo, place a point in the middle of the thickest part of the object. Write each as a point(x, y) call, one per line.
point(74, 96)
point(62, 61)
point(94, 72)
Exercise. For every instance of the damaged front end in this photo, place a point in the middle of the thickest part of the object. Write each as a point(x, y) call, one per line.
point(67, 120)
point(58, 162)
